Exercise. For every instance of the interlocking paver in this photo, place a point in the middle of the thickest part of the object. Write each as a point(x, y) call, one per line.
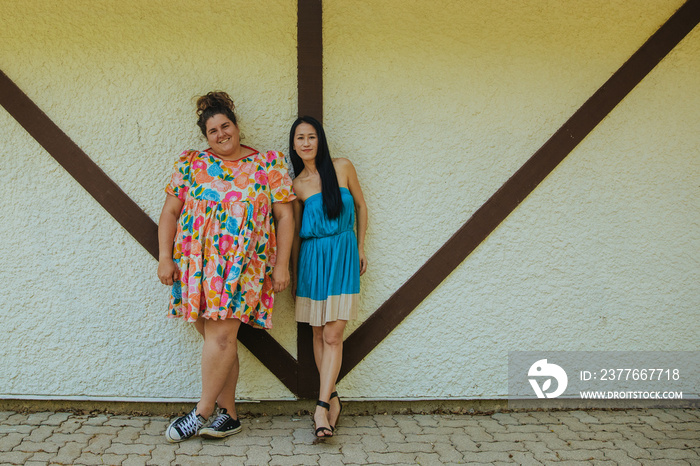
point(222, 449)
point(392, 434)
point(502, 446)
point(130, 449)
point(14, 457)
point(293, 460)
point(632, 449)
point(384, 420)
point(135, 460)
point(124, 421)
point(163, 454)
point(354, 454)
point(89, 459)
point(654, 436)
point(448, 453)
point(99, 443)
point(524, 458)
point(98, 420)
point(540, 451)
point(28, 445)
point(486, 457)
point(9, 441)
point(257, 455)
point(127, 435)
point(374, 457)
point(330, 460)
point(675, 454)
point(41, 457)
point(665, 463)
point(619, 456)
point(580, 455)
point(69, 426)
point(430, 458)
point(37, 419)
point(69, 452)
point(412, 447)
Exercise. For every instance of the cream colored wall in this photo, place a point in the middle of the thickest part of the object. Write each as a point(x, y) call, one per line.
point(436, 103)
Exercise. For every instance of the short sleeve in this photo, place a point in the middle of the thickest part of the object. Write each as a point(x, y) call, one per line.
point(180, 180)
point(278, 176)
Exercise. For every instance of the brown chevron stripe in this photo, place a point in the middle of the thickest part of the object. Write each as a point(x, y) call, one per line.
point(78, 164)
point(485, 220)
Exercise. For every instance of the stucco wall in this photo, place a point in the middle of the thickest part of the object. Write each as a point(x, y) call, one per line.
point(82, 309)
point(437, 104)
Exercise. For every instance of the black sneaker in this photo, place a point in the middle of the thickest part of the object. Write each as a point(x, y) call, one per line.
point(223, 426)
point(184, 427)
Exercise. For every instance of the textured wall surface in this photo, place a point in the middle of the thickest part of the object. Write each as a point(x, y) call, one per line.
point(82, 299)
point(437, 104)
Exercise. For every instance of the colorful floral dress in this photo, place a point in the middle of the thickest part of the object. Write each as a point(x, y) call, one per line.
point(225, 244)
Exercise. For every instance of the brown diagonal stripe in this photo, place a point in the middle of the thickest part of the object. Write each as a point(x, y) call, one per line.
point(123, 209)
point(78, 164)
point(485, 220)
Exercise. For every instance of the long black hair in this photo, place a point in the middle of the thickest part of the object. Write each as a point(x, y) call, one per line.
point(324, 164)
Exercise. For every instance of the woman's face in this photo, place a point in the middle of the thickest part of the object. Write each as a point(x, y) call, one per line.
point(306, 141)
point(223, 135)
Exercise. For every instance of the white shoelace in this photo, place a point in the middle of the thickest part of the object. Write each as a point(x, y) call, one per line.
point(190, 423)
point(220, 421)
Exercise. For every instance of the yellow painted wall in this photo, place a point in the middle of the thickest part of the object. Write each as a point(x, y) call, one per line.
point(436, 103)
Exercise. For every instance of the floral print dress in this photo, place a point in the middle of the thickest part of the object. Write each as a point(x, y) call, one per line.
point(225, 244)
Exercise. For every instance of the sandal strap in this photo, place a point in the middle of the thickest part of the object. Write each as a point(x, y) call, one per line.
point(323, 404)
point(334, 395)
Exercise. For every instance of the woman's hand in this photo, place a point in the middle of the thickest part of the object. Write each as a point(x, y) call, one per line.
point(280, 279)
point(168, 271)
point(363, 261)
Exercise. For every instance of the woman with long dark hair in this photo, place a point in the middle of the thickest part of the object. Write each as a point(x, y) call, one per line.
point(327, 256)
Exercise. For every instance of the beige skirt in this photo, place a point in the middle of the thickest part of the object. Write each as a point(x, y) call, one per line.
point(336, 307)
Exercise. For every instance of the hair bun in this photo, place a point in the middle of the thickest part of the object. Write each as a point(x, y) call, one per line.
point(214, 100)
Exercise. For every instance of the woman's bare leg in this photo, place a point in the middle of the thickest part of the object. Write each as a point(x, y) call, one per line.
point(331, 357)
point(219, 363)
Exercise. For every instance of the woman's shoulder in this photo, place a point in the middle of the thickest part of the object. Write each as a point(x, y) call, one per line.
point(341, 162)
point(188, 155)
point(343, 168)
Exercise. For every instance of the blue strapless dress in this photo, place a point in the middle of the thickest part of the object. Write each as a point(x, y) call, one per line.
point(328, 272)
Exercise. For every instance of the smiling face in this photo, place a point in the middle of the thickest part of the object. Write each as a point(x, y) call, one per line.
point(306, 142)
point(223, 136)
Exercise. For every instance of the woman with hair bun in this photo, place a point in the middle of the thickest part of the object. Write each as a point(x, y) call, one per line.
point(220, 252)
point(327, 257)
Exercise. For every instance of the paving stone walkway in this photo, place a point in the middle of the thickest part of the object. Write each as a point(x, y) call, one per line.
point(646, 436)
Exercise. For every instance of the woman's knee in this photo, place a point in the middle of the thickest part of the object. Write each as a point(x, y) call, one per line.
point(223, 334)
point(332, 337)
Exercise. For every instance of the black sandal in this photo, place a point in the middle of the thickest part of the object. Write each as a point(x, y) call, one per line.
point(335, 395)
point(325, 430)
